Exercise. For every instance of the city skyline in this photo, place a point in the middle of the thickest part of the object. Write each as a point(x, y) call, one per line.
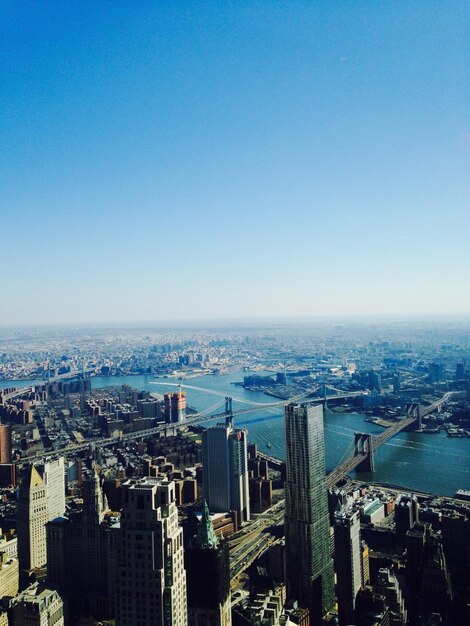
point(233, 160)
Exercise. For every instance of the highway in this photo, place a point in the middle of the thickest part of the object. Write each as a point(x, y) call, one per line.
point(254, 539)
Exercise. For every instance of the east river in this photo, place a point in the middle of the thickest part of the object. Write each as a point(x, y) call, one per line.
point(431, 463)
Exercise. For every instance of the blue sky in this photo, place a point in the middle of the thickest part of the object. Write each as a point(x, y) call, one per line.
point(233, 159)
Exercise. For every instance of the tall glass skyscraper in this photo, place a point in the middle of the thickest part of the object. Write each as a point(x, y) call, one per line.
point(310, 573)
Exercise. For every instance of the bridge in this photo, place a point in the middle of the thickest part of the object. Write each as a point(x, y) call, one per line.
point(365, 444)
point(194, 420)
point(17, 392)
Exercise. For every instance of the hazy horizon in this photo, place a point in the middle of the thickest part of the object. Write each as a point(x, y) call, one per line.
point(214, 323)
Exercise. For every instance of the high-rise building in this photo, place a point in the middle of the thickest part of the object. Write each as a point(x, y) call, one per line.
point(406, 516)
point(348, 563)
point(375, 381)
point(387, 586)
point(54, 479)
point(78, 555)
point(9, 571)
point(396, 379)
point(31, 521)
point(208, 594)
point(174, 407)
point(371, 609)
point(5, 444)
point(225, 470)
point(151, 581)
point(310, 573)
point(460, 372)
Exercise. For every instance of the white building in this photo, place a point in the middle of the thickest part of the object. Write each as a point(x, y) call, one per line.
point(54, 479)
point(31, 521)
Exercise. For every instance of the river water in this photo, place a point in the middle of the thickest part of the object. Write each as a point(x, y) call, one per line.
point(429, 463)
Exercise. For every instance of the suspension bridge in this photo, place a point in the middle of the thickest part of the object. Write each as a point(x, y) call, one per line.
point(359, 456)
point(365, 444)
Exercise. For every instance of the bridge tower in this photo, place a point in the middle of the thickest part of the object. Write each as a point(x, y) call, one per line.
point(419, 421)
point(413, 409)
point(363, 445)
point(228, 410)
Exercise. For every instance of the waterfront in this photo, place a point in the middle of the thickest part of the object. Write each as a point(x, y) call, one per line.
point(429, 463)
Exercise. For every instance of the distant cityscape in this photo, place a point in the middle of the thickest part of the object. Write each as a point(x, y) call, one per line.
point(234, 313)
point(126, 501)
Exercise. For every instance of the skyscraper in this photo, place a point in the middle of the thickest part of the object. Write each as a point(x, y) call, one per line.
point(151, 586)
point(310, 574)
point(208, 593)
point(174, 407)
point(225, 470)
point(31, 521)
point(54, 480)
point(348, 562)
point(5, 444)
point(78, 555)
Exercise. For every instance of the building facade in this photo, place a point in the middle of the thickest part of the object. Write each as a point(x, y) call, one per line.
point(208, 577)
point(79, 555)
point(225, 470)
point(348, 563)
point(37, 606)
point(151, 579)
point(310, 573)
point(5, 444)
point(54, 479)
point(174, 407)
point(31, 521)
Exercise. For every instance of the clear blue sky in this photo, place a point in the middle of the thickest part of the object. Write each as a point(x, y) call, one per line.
point(194, 159)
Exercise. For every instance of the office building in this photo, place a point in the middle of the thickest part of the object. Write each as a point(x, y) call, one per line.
point(375, 381)
point(151, 579)
point(225, 470)
point(9, 569)
point(277, 561)
point(208, 593)
point(5, 444)
point(396, 381)
point(406, 516)
point(460, 372)
point(387, 586)
point(78, 555)
point(310, 574)
point(174, 407)
point(348, 563)
point(31, 521)
point(37, 606)
point(7, 475)
point(371, 609)
point(54, 480)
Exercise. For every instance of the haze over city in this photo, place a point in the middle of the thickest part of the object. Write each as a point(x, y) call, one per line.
point(234, 313)
point(203, 160)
